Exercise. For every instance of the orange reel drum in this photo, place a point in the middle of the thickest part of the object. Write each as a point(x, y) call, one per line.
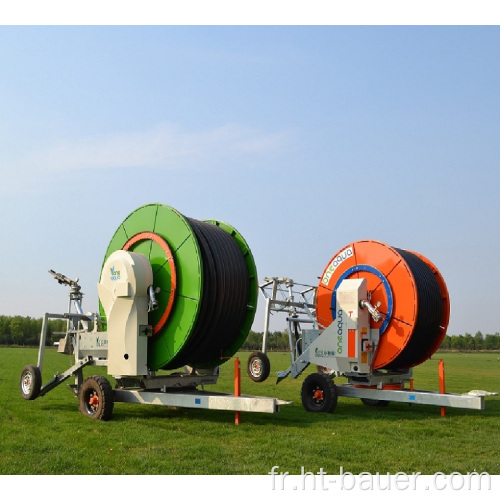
point(412, 294)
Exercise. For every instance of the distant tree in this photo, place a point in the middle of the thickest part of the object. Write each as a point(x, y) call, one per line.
point(468, 342)
point(492, 341)
point(31, 329)
point(5, 330)
point(457, 342)
point(478, 340)
point(253, 342)
point(446, 342)
point(276, 341)
point(16, 330)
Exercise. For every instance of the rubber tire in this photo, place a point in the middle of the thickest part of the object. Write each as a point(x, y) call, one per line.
point(255, 361)
point(99, 386)
point(376, 403)
point(30, 382)
point(319, 382)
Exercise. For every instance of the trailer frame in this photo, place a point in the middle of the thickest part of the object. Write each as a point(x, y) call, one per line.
point(89, 346)
point(372, 387)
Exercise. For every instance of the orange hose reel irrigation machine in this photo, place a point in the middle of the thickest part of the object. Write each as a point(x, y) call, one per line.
point(377, 312)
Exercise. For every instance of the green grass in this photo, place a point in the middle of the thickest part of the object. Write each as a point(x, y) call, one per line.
point(50, 436)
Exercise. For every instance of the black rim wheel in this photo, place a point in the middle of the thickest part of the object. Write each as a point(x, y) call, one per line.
point(96, 398)
point(319, 393)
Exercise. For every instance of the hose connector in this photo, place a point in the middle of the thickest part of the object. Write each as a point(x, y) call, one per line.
point(153, 302)
point(373, 310)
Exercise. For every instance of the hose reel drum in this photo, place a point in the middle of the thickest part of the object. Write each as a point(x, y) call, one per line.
point(409, 292)
point(205, 284)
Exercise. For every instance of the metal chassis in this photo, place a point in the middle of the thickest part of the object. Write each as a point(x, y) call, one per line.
point(469, 400)
point(73, 320)
point(281, 297)
point(178, 389)
point(193, 398)
point(374, 382)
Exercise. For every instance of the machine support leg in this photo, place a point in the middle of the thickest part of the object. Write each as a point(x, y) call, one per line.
point(43, 337)
point(441, 384)
point(266, 326)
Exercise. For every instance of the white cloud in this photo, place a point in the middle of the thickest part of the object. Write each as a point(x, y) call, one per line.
point(163, 146)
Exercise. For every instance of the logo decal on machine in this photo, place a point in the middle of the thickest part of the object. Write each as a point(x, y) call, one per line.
point(341, 257)
point(322, 353)
point(101, 342)
point(115, 274)
point(340, 332)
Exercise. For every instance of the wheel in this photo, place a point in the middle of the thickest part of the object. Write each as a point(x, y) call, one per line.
point(30, 382)
point(379, 403)
point(96, 398)
point(258, 366)
point(319, 393)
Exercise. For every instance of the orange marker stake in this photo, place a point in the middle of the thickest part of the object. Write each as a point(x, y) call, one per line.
point(237, 386)
point(441, 384)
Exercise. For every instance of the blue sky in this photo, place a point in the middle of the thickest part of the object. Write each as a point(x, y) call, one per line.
point(304, 138)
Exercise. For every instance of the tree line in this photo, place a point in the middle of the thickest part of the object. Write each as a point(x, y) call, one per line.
point(278, 341)
point(469, 342)
point(25, 331)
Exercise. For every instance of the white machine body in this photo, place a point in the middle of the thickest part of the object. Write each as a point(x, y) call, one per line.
point(346, 345)
point(123, 291)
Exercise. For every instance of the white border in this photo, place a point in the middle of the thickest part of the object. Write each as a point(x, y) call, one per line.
point(245, 12)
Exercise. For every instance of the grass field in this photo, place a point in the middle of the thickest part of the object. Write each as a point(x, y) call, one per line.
point(50, 436)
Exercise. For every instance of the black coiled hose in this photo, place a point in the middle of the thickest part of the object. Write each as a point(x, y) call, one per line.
point(429, 313)
point(224, 297)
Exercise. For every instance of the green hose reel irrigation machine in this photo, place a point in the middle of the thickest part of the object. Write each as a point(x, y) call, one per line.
point(175, 293)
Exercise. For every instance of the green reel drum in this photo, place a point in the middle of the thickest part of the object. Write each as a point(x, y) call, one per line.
point(206, 283)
